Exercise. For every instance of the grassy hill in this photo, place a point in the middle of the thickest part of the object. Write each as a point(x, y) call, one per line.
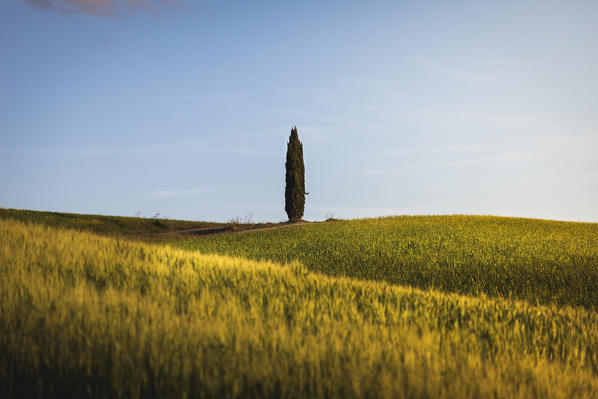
point(83, 315)
point(543, 262)
point(147, 229)
point(106, 225)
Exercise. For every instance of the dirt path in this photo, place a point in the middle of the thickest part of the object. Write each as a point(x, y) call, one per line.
point(205, 231)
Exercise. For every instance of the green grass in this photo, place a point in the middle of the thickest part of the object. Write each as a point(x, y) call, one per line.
point(543, 262)
point(120, 226)
point(145, 229)
point(83, 315)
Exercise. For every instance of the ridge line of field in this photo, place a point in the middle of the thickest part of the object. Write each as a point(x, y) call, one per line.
point(230, 229)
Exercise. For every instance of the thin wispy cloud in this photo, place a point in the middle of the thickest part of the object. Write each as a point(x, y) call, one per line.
point(313, 133)
point(577, 176)
point(448, 72)
point(506, 157)
point(446, 148)
point(560, 141)
point(177, 147)
point(180, 193)
point(572, 147)
point(434, 189)
point(103, 7)
point(204, 99)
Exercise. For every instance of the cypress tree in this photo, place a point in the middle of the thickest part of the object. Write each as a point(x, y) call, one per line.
point(294, 192)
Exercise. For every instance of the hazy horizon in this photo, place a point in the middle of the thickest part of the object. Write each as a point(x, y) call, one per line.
point(184, 109)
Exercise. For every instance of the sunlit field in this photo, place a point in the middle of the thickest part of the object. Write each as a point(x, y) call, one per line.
point(83, 315)
point(543, 262)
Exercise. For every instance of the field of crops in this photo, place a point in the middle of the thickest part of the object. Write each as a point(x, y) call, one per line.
point(83, 315)
point(137, 228)
point(117, 226)
point(543, 262)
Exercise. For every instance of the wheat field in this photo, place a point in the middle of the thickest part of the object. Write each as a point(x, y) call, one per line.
point(540, 261)
point(89, 316)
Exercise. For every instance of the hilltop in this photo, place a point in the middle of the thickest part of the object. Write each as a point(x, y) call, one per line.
point(146, 229)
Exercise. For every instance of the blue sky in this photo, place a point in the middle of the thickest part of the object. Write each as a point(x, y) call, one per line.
point(184, 108)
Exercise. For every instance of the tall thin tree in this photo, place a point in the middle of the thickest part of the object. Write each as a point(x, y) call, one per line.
point(294, 192)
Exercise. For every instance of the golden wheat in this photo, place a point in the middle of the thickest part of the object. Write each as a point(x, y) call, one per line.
point(540, 261)
point(82, 315)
